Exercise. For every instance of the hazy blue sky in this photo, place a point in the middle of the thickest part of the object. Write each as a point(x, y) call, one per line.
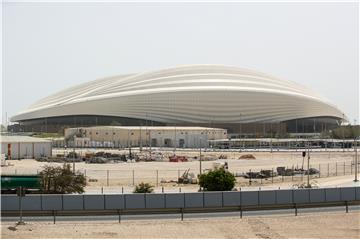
point(51, 46)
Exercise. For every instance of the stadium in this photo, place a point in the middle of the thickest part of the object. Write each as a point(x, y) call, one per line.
point(244, 102)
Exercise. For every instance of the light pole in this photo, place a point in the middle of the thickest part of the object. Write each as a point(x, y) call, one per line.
point(200, 158)
point(175, 140)
point(356, 160)
point(240, 126)
point(140, 143)
point(308, 166)
point(343, 134)
point(356, 156)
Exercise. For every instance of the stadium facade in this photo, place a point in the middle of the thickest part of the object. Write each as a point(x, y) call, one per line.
point(243, 101)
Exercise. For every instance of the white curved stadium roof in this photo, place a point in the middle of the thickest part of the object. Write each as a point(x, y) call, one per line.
point(192, 94)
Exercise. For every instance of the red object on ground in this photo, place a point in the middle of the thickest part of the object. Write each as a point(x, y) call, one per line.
point(176, 158)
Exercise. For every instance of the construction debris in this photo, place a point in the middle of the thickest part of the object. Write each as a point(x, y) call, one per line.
point(223, 156)
point(176, 158)
point(247, 156)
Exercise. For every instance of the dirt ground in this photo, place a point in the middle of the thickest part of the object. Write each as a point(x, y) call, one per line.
point(323, 225)
point(160, 174)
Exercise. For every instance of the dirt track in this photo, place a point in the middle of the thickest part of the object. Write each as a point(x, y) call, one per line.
point(323, 225)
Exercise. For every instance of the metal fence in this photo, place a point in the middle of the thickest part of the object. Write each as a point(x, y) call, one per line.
point(120, 177)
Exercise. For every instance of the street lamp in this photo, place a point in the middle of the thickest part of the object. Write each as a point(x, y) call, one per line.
point(200, 166)
point(343, 133)
point(240, 126)
point(308, 166)
point(356, 156)
point(356, 160)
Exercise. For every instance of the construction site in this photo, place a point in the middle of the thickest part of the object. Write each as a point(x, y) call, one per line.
point(121, 170)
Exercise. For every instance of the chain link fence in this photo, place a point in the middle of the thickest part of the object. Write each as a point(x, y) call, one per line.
point(120, 177)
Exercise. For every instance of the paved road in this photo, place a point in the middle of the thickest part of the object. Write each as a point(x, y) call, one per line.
point(186, 215)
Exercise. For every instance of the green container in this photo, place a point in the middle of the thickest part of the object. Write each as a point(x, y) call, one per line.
point(25, 181)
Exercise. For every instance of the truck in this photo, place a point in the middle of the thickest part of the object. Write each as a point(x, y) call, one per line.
point(10, 183)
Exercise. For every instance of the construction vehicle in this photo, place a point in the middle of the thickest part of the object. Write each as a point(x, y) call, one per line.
point(187, 178)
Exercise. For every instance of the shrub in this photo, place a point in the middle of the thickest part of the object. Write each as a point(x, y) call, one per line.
point(56, 179)
point(217, 180)
point(144, 188)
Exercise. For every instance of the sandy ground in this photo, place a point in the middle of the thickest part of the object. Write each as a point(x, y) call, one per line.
point(344, 181)
point(323, 225)
point(117, 175)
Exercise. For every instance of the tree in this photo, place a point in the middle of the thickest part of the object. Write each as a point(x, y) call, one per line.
point(217, 180)
point(56, 179)
point(144, 188)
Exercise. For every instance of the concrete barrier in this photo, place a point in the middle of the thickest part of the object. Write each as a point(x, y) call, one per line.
point(94, 202)
point(179, 200)
point(317, 195)
point(332, 194)
point(301, 196)
point(175, 200)
point(52, 202)
point(72, 202)
point(135, 201)
point(194, 200)
point(284, 196)
point(267, 197)
point(155, 200)
point(348, 194)
point(249, 198)
point(9, 202)
point(213, 199)
point(114, 202)
point(231, 199)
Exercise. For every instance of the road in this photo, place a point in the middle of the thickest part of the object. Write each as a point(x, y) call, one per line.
point(115, 218)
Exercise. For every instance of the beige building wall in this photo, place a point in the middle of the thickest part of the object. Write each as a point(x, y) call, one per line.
point(119, 136)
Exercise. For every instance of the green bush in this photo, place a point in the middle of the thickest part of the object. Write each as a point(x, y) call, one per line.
point(217, 180)
point(144, 188)
point(55, 179)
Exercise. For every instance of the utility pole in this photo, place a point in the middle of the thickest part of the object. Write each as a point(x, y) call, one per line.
point(240, 126)
point(343, 134)
point(308, 166)
point(356, 160)
point(21, 193)
point(140, 138)
point(200, 157)
point(74, 153)
point(175, 139)
point(356, 155)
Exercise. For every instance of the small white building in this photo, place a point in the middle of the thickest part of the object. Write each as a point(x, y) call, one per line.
point(142, 136)
point(25, 147)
